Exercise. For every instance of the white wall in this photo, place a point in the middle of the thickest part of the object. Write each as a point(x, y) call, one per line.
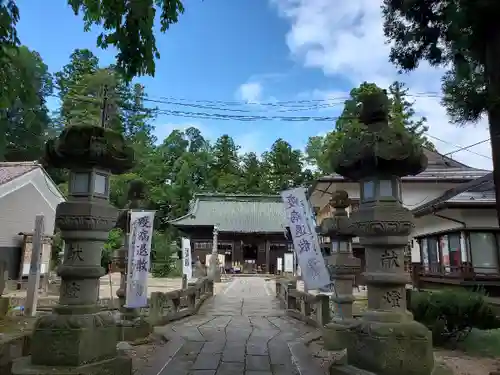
point(21, 200)
point(414, 193)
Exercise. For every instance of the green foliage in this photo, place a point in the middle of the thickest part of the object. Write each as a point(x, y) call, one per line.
point(162, 249)
point(114, 242)
point(129, 28)
point(451, 314)
point(321, 149)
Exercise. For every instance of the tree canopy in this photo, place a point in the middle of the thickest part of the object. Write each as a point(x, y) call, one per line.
point(462, 36)
point(402, 115)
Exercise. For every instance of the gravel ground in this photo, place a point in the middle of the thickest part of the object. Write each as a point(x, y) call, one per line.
point(462, 364)
point(142, 355)
point(456, 361)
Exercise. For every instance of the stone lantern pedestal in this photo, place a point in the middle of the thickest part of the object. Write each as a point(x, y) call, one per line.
point(343, 267)
point(386, 340)
point(78, 337)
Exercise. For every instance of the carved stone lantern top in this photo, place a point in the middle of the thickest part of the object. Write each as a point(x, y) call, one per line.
point(86, 147)
point(339, 224)
point(374, 147)
point(91, 153)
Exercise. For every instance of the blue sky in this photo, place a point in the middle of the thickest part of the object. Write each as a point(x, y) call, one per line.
point(262, 51)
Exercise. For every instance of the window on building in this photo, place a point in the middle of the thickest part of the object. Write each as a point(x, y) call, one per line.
point(455, 251)
point(434, 258)
point(484, 251)
point(203, 245)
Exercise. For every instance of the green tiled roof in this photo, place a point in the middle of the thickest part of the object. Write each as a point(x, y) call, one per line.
point(236, 213)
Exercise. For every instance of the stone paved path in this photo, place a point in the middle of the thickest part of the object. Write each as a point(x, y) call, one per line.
point(240, 331)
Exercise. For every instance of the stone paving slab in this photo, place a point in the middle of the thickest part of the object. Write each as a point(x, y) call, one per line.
point(242, 330)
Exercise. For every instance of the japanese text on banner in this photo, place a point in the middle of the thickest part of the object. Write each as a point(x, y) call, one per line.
point(187, 266)
point(305, 240)
point(141, 231)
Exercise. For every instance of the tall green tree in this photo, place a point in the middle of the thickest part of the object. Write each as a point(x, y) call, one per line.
point(284, 166)
point(24, 120)
point(254, 180)
point(464, 37)
point(225, 172)
point(401, 112)
point(128, 26)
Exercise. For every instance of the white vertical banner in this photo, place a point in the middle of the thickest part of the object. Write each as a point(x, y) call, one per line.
point(187, 265)
point(279, 264)
point(141, 233)
point(305, 240)
point(288, 262)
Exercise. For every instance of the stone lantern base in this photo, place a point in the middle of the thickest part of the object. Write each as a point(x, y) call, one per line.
point(337, 334)
point(390, 348)
point(120, 365)
point(133, 330)
point(74, 344)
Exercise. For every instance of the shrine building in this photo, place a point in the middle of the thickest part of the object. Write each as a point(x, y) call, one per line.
point(251, 230)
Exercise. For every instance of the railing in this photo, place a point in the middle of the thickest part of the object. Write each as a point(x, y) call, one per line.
point(177, 304)
point(465, 271)
point(311, 309)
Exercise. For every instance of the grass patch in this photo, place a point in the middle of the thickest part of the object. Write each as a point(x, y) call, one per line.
point(481, 343)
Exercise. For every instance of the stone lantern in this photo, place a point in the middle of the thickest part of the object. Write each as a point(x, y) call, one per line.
point(78, 337)
point(386, 340)
point(131, 325)
point(343, 267)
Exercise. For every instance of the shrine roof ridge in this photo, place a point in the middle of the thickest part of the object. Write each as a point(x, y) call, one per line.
point(241, 213)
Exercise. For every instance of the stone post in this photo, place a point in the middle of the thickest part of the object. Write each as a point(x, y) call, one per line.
point(131, 325)
point(78, 337)
point(386, 340)
point(214, 270)
point(4, 301)
point(343, 267)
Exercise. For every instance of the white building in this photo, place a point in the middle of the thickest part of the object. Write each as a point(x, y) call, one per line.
point(456, 237)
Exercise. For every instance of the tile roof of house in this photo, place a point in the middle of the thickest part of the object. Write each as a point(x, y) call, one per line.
point(477, 191)
point(12, 170)
point(236, 213)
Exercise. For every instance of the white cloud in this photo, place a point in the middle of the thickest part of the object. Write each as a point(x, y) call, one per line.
point(345, 39)
point(250, 92)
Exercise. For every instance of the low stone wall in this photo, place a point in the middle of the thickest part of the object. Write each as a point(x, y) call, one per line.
point(311, 309)
point(12, 347)
point(177, 304)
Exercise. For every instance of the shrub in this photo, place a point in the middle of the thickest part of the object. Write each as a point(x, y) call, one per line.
point(451, 314)
point(161, 269)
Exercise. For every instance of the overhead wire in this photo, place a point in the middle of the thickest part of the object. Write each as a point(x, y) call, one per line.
point(289, 106)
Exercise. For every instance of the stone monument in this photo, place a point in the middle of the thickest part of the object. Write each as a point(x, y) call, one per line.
point(386, 340)
point(4, 301)
point(131, 325)
point(78, 337)
point(214, 269)
point(199, 269)
point(343, 267)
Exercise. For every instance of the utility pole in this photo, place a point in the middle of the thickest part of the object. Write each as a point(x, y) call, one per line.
point(104, 107)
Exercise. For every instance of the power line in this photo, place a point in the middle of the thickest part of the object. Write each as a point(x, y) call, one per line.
point(460, 148)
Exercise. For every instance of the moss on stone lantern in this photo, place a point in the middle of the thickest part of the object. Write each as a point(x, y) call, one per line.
point(83, 146)
point(374, 145)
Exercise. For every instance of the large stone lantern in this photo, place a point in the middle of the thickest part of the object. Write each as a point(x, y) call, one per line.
point(78, 337)
point(343, 267)
point(386, 340)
